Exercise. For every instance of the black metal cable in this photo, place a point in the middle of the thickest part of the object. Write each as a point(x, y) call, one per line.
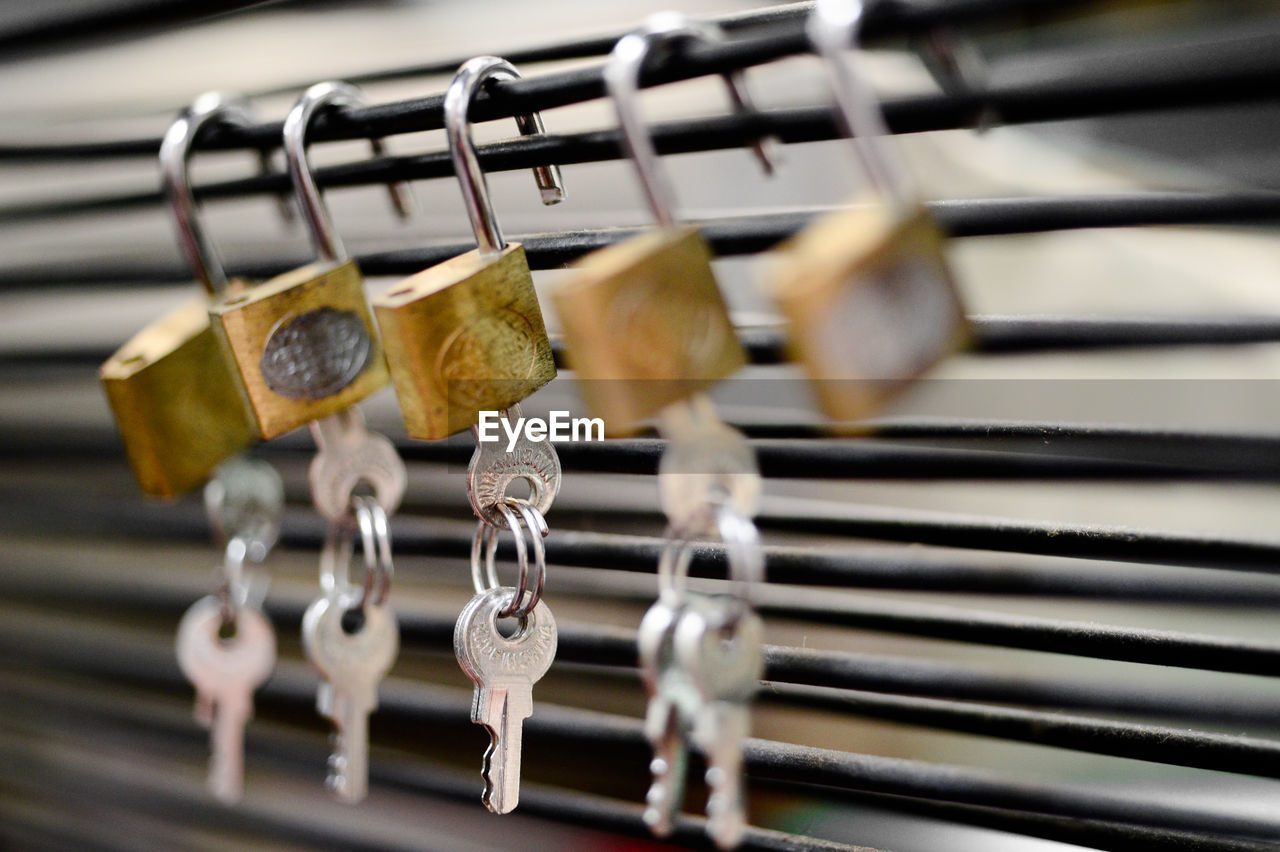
point(608, 646)
point(144, 662)
point(792, 686)
point(298, 752)
point(1239, 73)
point(1153, 743)
point(888, 18)
point(831, 566)
point(1093, 834)
point(628, 553)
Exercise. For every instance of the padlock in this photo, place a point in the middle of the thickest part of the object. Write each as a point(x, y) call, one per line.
point(304, 343)
point(867, 294)
point(176, 401)
point(467, 335)
point(646, 326)
point(870, 305)
point(644, 321)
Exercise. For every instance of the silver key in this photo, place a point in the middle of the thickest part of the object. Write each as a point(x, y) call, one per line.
point(673, 700)
point(504, 671)
point(347, 454)
point(492, 469)
point(352, 665)
point(225, 673)
point(720, 643)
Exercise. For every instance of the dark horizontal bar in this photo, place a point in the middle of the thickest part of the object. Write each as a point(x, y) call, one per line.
point(144, 662)
point(592, 811)
point(297, 752)
point(752, 234)
point(104, 590)
point(793, 685)
point(37, 26)
point(417, 537)
point(850, 566)
point(1045, 538)
point(761, 36)
point(1154, 743)
point(1092, 834)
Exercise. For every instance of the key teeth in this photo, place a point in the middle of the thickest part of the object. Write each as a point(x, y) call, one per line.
point(487, 768)
point(726, 822)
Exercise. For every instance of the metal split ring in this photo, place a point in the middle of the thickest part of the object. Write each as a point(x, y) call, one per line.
point(742, 548)
point(369, 518)
point(519, 515)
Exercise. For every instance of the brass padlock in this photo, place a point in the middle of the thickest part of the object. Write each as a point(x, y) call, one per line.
point(467, 335)
point(646, 326)
point(867, 293)
point(304, 343)
point(176, 401)
point(644, 321)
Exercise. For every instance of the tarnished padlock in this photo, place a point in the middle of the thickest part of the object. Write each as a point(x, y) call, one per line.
point(176, 400)
point(644, 322)
point(304, 343)
point(467, 335)
point(866, 292)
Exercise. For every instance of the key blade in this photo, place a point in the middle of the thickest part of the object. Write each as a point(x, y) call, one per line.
point(670, 758)
point(231, 713)
point(721, 733)
point(349, 763)
point(502, 710)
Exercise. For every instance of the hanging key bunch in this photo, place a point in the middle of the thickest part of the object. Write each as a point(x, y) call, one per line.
point(351, 637)
point(649, 332)
point(701, 660)
point(225, 645)
point(467, 336)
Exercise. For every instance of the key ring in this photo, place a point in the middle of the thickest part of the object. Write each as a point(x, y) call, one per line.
point(232, 590)
point(368, 517)
point(486, 539)
point(742, 549)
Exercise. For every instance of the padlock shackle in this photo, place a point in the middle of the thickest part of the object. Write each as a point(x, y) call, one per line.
point(321, 96)
point(470, 79)
point(833, 28)
point(175, 154)
point(622, 79)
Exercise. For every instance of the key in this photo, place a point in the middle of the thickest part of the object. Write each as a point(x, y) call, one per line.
point(225, 673)
point(504, 671)
point(492, 469)
point(352, 665)
point(720, 643)
point(347, 454)
point(667, 716)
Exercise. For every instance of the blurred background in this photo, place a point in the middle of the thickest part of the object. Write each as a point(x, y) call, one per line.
point(1007, 517)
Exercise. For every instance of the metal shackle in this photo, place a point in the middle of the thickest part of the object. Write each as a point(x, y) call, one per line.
point(622, 79)
point(330, 94)
point(175, 153)
point(833, 28)
point(469, 80)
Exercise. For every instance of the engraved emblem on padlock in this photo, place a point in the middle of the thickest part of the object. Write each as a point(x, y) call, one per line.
point(304, 343)
point(644, 320)
point(467, 335)
point(867, 293)
point(177, 402)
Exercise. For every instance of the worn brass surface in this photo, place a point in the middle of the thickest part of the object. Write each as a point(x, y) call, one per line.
point(645, 326)
point(462, 337)
point(870, 303)
point(250, 325)
point(177, 402)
